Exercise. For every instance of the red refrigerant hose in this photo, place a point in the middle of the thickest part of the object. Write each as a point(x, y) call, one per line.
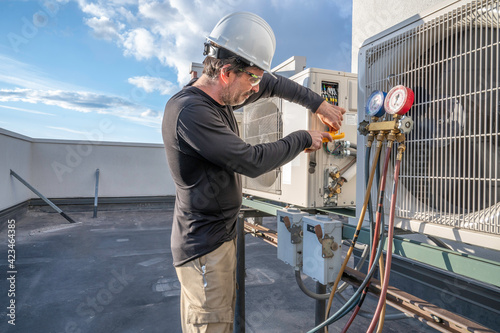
point(376, 233)
point(390, 236)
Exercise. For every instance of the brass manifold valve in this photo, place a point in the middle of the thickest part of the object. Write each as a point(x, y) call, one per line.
point(398, 126)
point(338, 180)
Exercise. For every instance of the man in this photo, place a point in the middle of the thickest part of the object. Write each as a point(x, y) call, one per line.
point(206, 157)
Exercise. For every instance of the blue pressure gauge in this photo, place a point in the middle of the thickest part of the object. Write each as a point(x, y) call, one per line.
point(375, 104)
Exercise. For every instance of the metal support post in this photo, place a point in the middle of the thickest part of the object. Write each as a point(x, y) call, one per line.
point(47, 201)
point(96, 192)
point(319, 305)
point(239, 312)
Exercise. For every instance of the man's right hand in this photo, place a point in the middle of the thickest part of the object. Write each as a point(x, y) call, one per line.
point(330, 115)
point(317, 140)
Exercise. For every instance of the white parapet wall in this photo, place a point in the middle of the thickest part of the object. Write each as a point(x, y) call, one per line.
point(66, 169)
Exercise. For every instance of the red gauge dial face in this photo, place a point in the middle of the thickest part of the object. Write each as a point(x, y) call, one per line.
point(399, 100)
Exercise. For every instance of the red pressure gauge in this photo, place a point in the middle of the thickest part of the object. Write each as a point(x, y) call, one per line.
point(399, 100)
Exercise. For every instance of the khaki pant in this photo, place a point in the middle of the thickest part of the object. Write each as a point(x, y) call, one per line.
point(208, 293)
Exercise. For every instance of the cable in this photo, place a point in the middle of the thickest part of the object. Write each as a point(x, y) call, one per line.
point(366, 314)
point(439, 242)
point(370, 205)
point(358, 227)
point(376, 232)
point(370, 217)
point(308, 292)
point(390, 237)
point(382, 277)
point(354, 299)
point(331, 152)
point(381, 262)
point(362, 259)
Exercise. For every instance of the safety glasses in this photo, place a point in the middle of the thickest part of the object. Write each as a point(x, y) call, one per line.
point(254, 79)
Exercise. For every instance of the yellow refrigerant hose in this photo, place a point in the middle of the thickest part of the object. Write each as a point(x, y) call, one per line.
point(385, 285)
point(380, 139)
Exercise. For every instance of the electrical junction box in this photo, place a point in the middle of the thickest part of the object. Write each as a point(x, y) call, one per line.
point(290, 236)
point(322, 253)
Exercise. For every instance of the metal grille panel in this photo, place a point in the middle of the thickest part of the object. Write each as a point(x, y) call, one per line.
point(262, 124)
point(451, 169)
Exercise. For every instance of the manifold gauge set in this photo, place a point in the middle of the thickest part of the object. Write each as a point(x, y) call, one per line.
point(397, 101)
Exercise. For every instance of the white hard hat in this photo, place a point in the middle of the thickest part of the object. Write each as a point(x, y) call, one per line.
point(247, 36)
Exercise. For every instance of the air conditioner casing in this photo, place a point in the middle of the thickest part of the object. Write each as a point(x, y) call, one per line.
point(449, 184)
point(302, 182)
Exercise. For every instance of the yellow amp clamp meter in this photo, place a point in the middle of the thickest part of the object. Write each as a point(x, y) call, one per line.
point(336, 135)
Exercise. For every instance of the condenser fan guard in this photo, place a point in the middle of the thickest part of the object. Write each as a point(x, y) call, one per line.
point(455, 142)
point(262, 124)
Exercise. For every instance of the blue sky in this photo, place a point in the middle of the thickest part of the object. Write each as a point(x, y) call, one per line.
point(103, 70)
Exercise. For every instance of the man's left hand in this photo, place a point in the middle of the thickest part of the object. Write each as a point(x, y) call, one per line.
point(330, 115)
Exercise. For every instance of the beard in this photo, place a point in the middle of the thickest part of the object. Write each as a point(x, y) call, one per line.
point(234, 98)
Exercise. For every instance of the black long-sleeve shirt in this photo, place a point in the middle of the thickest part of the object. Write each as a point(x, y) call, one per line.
point(206, 157)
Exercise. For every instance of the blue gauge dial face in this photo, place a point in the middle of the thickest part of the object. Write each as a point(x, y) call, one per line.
point(375, 105)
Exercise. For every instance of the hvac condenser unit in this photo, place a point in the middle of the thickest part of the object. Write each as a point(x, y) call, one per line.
point(450, 172)
point(325, 178)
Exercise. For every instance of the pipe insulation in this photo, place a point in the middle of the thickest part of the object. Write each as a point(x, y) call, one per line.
point(350, 173)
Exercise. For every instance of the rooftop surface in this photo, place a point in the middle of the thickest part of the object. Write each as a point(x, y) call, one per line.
point(114, 273)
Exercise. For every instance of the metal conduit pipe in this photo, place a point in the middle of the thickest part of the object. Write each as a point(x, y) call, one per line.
point(341, 288)
point(308, 292)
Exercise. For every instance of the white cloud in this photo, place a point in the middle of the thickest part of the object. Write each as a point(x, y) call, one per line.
point(139, 43)
point(149, 113)
point(77, 101)
point(26, 110)
point(36, 87)
point(127, 14)
point(83, 101)
point(157, 11)
point(94, 9)
point(28, 76)
point(105, 28)
point(151, 84)
point(173, 31)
